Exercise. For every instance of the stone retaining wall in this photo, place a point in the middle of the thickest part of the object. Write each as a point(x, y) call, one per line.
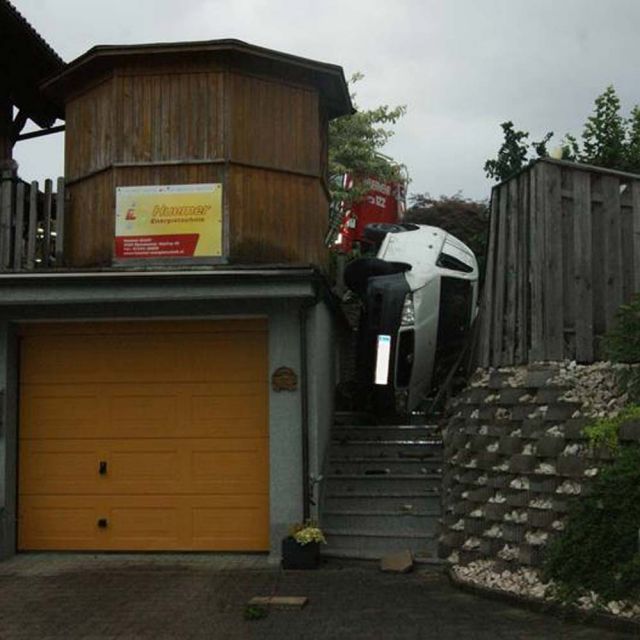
point(516, 457)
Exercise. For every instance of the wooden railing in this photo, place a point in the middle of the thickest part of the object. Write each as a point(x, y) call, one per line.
point(31, 224)
point(564, 254)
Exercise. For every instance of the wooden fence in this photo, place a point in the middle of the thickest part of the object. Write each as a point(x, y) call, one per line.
point(31, 224)
point(563, 255)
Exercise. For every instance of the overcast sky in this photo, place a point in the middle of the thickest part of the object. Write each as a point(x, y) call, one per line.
point(460, 66)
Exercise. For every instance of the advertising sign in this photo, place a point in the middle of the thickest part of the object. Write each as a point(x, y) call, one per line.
point(173, 221)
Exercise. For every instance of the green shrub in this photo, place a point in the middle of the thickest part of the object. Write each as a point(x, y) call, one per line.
point(605, 431)
point(622, 343)
point(598, 551)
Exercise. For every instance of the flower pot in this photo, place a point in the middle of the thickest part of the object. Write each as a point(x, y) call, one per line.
point(300, 556)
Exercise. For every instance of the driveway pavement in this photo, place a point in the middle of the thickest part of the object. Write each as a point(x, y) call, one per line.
point(204, 596)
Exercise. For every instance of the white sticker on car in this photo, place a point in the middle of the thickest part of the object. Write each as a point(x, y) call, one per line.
point(382, 359)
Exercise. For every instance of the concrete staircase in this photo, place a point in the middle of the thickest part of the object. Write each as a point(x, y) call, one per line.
point(382, 491)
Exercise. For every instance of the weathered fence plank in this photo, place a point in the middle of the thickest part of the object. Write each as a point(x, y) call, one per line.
point(553, 310)
point(6, 212)
point(500, 266)
point(488, 288)
point(612, 248)
point(33, 226)
point(60, 201)
point(46, 222)
point(537, 258)
point(523, 270)
point(511, 273)
point(18, 236)
point(564, 254)
point(583, 267)
point(635, 198)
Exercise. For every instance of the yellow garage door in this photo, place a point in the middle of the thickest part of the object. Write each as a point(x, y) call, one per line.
point(144, 436)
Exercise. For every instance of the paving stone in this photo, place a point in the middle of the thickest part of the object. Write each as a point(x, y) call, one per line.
point(532, 428)
point(510, 445)
point(543, 484)
point(531, 555)
point(488, 459)
point(540, 518)
point(480, 495)
point(474, 526)
point(571, 466)
point(513, 532)
point(574, 428)
point(521, 463)
point(630, 430)
point(549, 395)
point(500, 481)
point(550, 446)
point(494, 512)
point(517, 498)
point(511, 396)
point(498, 380)
point(560, 411)
point(490, 546)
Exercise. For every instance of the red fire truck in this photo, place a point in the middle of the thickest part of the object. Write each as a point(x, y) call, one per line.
point(383, 202)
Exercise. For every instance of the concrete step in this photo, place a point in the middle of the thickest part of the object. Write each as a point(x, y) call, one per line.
point(408, 501)
point(383, 449)
point(389, 522)
point(368, 541)
point(421, 559)
point(382, 484)
point(352, 417)
point(401, 433)
point(339, 465)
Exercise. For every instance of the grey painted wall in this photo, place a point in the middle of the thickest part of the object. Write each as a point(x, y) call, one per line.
point(321, 350)
point(286, 481)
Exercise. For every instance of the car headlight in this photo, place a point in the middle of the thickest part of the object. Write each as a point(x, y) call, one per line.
point(408, 317)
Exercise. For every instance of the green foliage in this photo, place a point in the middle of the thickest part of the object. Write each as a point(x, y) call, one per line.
point(466, 219)
point(512, 155)
point(355, 143)
point(605, 432)
point(632, 150)
point(622, 343)
point(598, 551)
point(608, 140)
point(603, 138)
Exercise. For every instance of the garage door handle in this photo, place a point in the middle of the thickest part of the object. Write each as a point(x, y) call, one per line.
point(102, 523)
point(102, 469)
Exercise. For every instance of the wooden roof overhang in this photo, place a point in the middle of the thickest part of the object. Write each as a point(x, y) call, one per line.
point(25, 60)
point(329, 79)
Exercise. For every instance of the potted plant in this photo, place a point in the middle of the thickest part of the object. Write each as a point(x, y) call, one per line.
point(301, 548)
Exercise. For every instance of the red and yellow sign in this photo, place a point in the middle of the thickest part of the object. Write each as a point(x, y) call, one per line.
point(173, 221)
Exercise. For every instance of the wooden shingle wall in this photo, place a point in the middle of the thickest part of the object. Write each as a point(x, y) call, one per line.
point(160, 122)
point(563, 255)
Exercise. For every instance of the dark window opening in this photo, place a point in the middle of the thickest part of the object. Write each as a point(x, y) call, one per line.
point(445, 261)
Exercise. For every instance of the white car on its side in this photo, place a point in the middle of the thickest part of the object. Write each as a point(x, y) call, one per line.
point(419, 298)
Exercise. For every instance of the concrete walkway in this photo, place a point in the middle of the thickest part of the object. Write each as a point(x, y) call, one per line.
point(204, 596)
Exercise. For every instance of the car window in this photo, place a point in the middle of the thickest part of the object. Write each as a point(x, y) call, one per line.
point(446, 261)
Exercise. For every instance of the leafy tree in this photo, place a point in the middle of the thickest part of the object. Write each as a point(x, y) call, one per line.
point(355, 143)
point(603, 138)
point(632, 150)
point(608, 140)
point(512, 155)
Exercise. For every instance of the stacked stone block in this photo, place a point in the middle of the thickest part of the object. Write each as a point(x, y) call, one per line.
point(516, 458)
